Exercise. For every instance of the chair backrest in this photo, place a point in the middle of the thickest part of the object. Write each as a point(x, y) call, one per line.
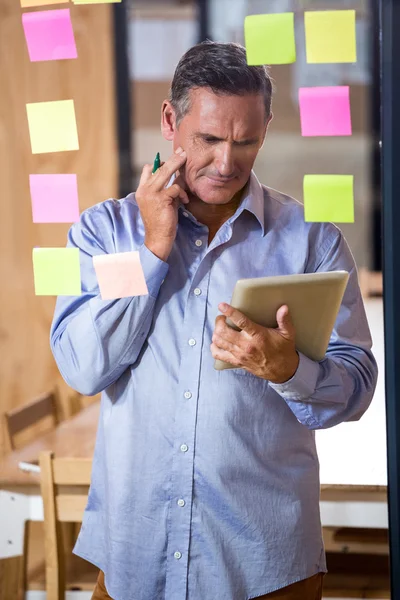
point(24, 417)
point(64, 484)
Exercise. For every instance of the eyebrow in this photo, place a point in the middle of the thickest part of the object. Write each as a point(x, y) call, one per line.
point(213, 138)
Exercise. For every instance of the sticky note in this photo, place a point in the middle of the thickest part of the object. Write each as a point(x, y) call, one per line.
point(330, 36)
point(49, 34)
point(120, 275)
point(95, 1)
point(57, 271)
point(328, 198)
point(29, 3)
point(270, 39)
point(325, 110)
point(52, 126)
point(54, 198)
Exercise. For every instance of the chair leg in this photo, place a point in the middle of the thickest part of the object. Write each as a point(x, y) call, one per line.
point(10, 578)
point(23, 578)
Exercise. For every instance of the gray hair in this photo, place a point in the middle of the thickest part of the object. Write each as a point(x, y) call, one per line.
point(223, 68)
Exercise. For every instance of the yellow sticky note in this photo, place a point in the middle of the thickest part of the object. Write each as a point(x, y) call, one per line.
point(270, 39)
point(57, 271)
point(29, 3)
point(52, 126)
point(328, 198)
point(330, 36)
point(95, 1)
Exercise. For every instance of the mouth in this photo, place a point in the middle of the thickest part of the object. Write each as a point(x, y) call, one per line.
point(220, 181)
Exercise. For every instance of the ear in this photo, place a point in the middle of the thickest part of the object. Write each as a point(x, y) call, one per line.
point(266, 127)
point(168, 121)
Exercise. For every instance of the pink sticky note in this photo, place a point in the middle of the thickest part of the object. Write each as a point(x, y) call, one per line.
point(120, 275)
point(54, 198)
point(325, 110)
point(49, 34)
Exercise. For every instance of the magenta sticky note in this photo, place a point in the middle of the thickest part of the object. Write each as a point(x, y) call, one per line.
point(54, 198)
point(325, 110)
point(49, 34)
point(120, 275)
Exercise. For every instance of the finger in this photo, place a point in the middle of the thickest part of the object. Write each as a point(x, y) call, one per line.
point(175, 191)
point(224, 355)
point(223, 330)
point(285, 323)
point(239, 319)
point(146, 174)
point(165, 172)
point(224, 344)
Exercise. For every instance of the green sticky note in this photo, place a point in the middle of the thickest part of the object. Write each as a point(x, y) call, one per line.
point(57, 271)
point(270, 39)
point(329, 198)
point(330, 36)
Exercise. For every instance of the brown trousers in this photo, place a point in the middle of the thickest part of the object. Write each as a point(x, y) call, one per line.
point(307, 589)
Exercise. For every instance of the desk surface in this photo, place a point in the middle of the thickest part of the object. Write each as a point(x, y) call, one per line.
point(74, 437)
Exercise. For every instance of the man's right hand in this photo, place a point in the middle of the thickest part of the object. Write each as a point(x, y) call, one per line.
point(159, 205)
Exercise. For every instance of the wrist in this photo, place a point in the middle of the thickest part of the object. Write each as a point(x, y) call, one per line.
point(289, 371)
point(159, 250)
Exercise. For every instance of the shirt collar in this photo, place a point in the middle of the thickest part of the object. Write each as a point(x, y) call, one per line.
point(253, 200)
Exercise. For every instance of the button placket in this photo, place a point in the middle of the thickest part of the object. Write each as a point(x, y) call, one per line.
point(180, 511)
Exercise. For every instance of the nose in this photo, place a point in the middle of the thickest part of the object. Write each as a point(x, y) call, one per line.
point(224, 160)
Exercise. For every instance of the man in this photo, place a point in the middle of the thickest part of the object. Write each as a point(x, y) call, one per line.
point(205, 484)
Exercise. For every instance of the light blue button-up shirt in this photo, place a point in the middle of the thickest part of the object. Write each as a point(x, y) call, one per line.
point(205, 483)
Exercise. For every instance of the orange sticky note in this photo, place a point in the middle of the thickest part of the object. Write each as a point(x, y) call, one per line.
point(29, 3)
point(95, 1)
point(120, 275)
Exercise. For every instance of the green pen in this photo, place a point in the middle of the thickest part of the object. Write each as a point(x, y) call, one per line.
point(157, 163)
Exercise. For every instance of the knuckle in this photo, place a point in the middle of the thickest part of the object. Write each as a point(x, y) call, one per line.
point(219, 328)
point(248, 348)
point(241, 321)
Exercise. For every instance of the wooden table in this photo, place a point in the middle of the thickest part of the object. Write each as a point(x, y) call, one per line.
point(20, 498)
point(20, 494)
point(74, 437)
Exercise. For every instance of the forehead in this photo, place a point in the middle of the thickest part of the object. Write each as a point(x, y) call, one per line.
point(210, 112)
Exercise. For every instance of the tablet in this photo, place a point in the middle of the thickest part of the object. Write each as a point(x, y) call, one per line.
point(313, 299)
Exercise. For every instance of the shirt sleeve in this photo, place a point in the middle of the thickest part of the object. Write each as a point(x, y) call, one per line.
point(341, 386)
point(93, 340)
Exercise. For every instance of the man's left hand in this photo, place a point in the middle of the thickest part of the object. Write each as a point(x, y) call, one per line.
point(266, 352)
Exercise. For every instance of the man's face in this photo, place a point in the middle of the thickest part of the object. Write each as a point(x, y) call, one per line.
point(221, 136)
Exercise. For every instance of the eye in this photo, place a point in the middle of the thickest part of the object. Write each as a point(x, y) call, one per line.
point(247, 143)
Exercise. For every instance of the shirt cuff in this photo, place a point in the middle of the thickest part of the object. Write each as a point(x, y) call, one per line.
point(303, 383)
point(154, 269)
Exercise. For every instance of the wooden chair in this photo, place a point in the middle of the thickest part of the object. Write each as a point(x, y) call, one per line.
point(24, 418)
point(22, 425)
point(64, 486)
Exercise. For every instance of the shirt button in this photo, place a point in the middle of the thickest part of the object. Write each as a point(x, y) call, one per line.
point(181, 502)
point(185, 214)
point(192, 342)
point(177, 555)
point(184, 448)
point(198, 243)
point(197, 292)
point(187, 395)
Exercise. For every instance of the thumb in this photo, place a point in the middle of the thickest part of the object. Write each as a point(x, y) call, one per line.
point(285, 323)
